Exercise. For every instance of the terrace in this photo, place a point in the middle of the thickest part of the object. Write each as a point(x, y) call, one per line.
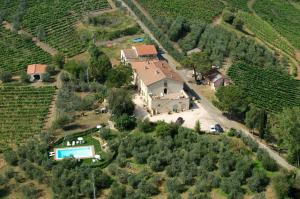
point(83, 146)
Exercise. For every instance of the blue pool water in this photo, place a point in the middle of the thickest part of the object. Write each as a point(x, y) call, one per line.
point(138, 40)
point(76, 152)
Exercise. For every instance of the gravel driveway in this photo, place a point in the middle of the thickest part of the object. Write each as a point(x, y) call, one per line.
point(190, 116)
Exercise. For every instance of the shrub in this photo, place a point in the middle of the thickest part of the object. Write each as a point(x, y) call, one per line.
point(175, 185)
point(9, 172)
point(46, 77)
point(258, 181)
point(267, 162)
point(282, 185)
point(11, 157)
point(125, 122)
point(250, 142)
point(5, 76)
point(232, 132)
point(51, 70)
point(228, 16)
point(25, 78)
point(145, 126)
point(59, 60)
point(29, 191)
point(148, 188)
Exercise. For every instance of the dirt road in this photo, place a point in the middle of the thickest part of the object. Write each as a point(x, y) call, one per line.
point(209, 107)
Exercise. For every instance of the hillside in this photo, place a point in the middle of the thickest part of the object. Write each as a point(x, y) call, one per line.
point(142, 99)
point(267, 30)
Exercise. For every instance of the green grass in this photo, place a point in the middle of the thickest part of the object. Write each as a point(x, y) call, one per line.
point(23, 111)
point(114, 25)
point(237, 4)
point(16, 52)
point(89, 141)
point(258, 164)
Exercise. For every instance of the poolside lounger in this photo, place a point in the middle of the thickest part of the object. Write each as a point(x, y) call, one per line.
point(73, 143)
point(68, 143)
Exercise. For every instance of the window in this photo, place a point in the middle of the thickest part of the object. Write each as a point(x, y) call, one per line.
point(165, 83)
point(165, 91)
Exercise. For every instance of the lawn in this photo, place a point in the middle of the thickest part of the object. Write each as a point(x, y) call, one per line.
point(114, 51)
point(107, 26)
point(90, 139)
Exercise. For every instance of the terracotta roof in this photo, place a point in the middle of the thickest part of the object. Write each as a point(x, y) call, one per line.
point(167, 70)
point(36, 69)
point(143, 50)
point(130, 54)
point(153, 71)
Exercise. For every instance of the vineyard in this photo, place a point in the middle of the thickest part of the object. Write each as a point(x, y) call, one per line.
point(283, 16)
point(266, 32)
point(237, 4)
point(16, 52)
point(204, 10)
point(266, 88)
point(23, 110)
point(58, 19)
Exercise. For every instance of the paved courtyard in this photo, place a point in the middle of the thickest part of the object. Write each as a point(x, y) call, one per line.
point(190, 116)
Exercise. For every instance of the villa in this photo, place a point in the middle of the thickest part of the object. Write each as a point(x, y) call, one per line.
point(160, 87)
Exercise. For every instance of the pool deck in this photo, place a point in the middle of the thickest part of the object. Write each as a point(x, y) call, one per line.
point(73, 147)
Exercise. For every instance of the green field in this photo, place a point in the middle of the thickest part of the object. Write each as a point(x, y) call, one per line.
point(204, 10)
point(266, 88)
point(108, 26)
point(23, 110)
point(57, 18)
point(283, 16)
point(16, 52)
point(237, 4)
point(266, 32)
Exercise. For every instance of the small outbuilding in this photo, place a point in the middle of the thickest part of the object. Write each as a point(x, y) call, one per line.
point(216, 79)
point(36, 71)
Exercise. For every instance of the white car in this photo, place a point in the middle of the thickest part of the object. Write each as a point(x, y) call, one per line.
point(212, 129)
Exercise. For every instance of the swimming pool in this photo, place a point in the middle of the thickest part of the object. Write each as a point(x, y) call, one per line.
point(76, 152)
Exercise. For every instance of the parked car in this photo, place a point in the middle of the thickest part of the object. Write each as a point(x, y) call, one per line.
point(212, 129)
point(179, 121)
point(217, 128)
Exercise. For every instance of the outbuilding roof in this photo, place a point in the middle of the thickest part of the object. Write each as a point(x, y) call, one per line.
point(130, 54)
point(36, 69)
point(143, 50)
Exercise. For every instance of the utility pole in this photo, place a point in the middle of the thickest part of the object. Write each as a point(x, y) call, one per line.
point(87, 75)
point(94, 189)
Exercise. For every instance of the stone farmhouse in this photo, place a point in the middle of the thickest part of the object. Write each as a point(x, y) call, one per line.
point(159, 85)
